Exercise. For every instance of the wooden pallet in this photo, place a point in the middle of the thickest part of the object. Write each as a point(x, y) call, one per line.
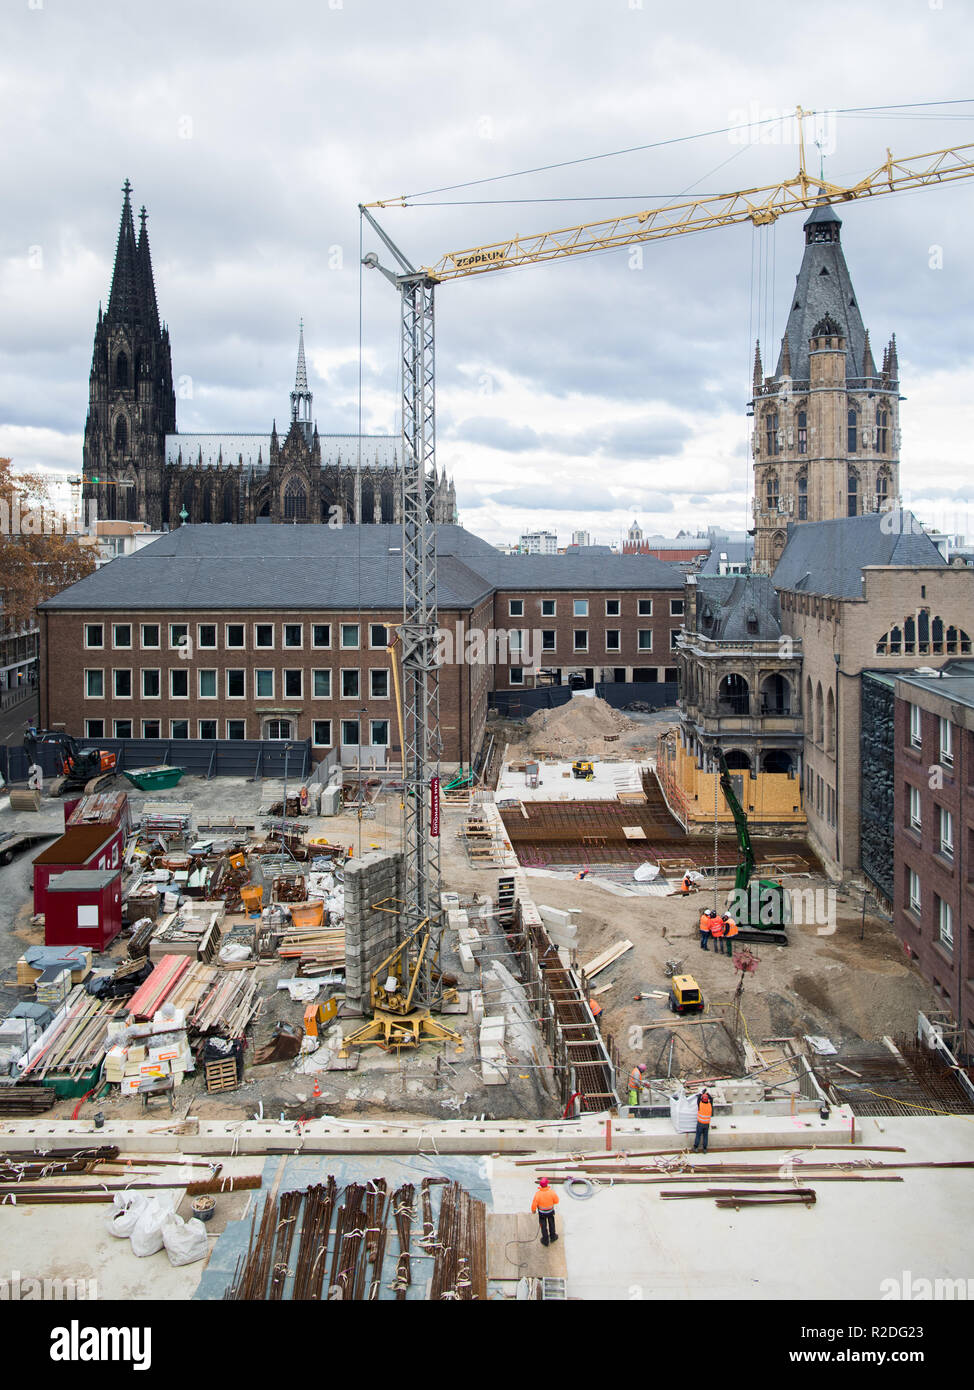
point(222, 1075)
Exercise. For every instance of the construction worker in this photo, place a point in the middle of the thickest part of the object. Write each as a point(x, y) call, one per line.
point(706, 921)
point(636, 1082)
point(705, 1110)
point(687, 885)
point(717, 932)
point(596, 1008)
point(544, 1204)
point(730, 931)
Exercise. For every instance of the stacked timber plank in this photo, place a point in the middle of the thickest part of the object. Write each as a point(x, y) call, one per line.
point(75, 1039)
point(313, 946)
point(186, 933)
point(192, 986)
point(228, 1006)
point(605, 958)
point(151, 995)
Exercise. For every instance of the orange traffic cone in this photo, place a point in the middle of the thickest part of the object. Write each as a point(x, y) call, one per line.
point(317, 1089)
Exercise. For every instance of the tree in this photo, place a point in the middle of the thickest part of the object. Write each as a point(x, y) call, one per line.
point(37, 558)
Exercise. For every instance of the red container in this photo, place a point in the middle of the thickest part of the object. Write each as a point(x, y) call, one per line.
point(80, 847)
point(84, 908)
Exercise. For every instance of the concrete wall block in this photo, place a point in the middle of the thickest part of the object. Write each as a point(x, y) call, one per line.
point(467, 962)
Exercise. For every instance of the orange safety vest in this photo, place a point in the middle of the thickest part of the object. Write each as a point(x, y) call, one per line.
point(545, 1199)
point(716, 926)
point(595, 1006)
point(704, 1112)
point(705, 922)
point(730, 927)
point(635, 1079)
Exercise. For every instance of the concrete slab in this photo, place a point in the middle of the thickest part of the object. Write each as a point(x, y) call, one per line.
point(556, 783)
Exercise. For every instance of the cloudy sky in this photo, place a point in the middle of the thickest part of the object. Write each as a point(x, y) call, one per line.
point(574, 394)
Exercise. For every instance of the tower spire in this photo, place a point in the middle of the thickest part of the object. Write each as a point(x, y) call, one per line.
point(758, 369)
point(301, 396)
point(123, 296)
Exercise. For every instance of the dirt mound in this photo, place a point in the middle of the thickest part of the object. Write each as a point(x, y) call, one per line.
point(580, 727)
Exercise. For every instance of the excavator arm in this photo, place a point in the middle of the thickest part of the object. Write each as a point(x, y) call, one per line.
point(745, 867)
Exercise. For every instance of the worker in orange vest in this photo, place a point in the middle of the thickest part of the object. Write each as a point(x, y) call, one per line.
point(705, 1110)
point(717, 932)
point(706, 921)
point(730, 931)
point(687, 884)
point(596, 1008)
point(636, 1082)
point(544, 1204)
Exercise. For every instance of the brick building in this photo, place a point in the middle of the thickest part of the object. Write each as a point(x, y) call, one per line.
point(281, 633)
point(933, 832)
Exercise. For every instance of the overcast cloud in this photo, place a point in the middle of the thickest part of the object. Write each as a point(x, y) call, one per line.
point(572, 394)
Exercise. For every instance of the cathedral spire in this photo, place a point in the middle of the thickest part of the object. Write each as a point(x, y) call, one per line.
point(123, 297)
point(758, 369)
point(301, 396)
point(147, 284)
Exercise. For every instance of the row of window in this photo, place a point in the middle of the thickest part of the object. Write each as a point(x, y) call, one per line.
point(580, 607)
point(854, 434)
point(943, 912)
point(650, 674)
point(773, 498)
point(819, 794)
point(263, 682)
point(923, 635)
point(264, 636)
point(580, 639)
point(945, 822)
point(945, 731)
point(321, 730)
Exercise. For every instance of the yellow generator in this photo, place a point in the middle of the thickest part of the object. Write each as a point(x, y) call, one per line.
point(686, 996)
point(583, 770)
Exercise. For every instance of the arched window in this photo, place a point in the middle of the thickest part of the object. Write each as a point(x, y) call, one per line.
point(771, 432)
point(882, 430)
point(852, 493)
point(121, 435)
point(803, 432)
point(882, 491)
point(937, 628)
point(922, 635)
point(295, 502)
point(819, 715)
point(809, 711)
point(830, 723)
point(802, 497)
point(777, 761)
point(738, 761)
point(121, 370)
point(852, 428)
point(229, 505)
point(771, 491)
point(734, 695)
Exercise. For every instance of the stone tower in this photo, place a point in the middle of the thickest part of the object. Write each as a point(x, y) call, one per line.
point(131, 404)
point(826, 439)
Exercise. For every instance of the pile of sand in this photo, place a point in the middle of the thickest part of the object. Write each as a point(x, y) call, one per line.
point(580, 728)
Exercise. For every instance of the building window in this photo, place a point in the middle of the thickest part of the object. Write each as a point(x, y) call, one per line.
point(580, 607)
point(94, 728)
point(852, 430)
point(379, 685)
point(516, 675)
point(613, 608)
point(122, 684)
point(771, 432)
point(295, 502)
point(581, 639)
point(803, 498)
point(548, 639)
point(882, 430)
point(206, 635)
point(802, 432)
point(207, 684)
point(548, 608)
point(350, 685)
point(321, 634)
point(264, 635)
point(946, 742)
point(235, 635)
point(645, 607)
point(613, 639)
point(671, 674)
point(916, 727)
point(915, 812)
point(350, 635)
point(179, 728)
point(293, 683)
point(207, 728)
point(236, 728)
point(321, 733)
point(379, 733)
point(277, 729)
point(122, 634)
point(94, 635)
point(151, 728)
point(913, 891)
point(123, 728)
point(236, 685)
point(516, 608)
point(674, 638)
point(852, 493)
point(350, 734)
point(321, 684)
point(178, 633)
point(945, 924)
point(293, 635)
point(151, 683)
point(882, 492)
point(178, 684)
point(946, 833)
point(378, 635)
point(150, 635)
point(676, 608)
point(644, 639)
point(264, 684)
point(515, 641)
point(94, 685)
point(771, 492)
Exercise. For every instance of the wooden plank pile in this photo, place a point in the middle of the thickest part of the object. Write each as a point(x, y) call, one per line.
point(154, 992)
point(191, 986)
point(605, 958)
point(76, 1039)
point(228, 1006)
point(313, 947)
point(186, 933)
point(23, 1101)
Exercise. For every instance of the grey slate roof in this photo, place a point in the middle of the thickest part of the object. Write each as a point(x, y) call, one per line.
point(823, 286)
point(323, 567)
point(828, 557)
point(955, 683)
point(742, 608)
point(737, 553)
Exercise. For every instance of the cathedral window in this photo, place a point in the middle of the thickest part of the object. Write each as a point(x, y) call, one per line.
point(852, 493)
point(295, 502)
point(121, 435)
point(121, 370)
point(771, 492)
point(803, 498)
point(771, 432)
point(882, 492)
point(802, 432)
point(852, 431)
point(882, 430)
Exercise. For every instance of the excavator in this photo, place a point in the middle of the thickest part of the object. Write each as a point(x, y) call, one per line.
point(760, 905)
point(78, 769)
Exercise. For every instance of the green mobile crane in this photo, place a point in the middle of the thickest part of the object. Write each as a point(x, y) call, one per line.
point(760, 905)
